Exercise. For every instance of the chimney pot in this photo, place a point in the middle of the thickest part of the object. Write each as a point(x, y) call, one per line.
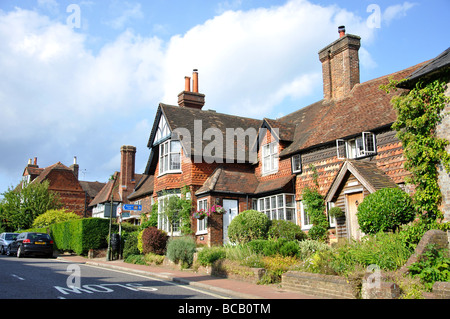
point(35, 161)
point(195, 84)
point(341, 31)
point(187, 83)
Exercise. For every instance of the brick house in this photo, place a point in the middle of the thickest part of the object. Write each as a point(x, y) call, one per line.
point(75, 195)
point(242, 163)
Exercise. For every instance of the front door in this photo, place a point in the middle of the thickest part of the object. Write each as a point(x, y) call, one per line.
point(353, 200)
point(231, 211)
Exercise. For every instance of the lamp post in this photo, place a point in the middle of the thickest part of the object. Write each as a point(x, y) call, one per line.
point(108, 252)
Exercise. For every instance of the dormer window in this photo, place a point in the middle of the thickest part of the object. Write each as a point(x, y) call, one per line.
point(296, 163)
point(270, 158)
point(364, 145)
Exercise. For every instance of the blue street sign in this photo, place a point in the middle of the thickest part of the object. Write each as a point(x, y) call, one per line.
point(132, 207)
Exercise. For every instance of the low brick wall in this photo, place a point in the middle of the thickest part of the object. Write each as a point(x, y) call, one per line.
point(228, 269)
point(441, 290)
point(324, 286)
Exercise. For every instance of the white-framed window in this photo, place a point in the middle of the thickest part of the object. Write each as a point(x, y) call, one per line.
point(270, 158)
point(281, 207)
point(162, 130)
point(305, 220)
point(296, 163)
point(163, 222)
point(202, 224)
point(360, 146)
point(331, 220)
point(170, 157)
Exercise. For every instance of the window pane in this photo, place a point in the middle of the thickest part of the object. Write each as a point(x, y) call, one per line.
point(290, 214)
point(280, 201)
point(273, 200)
point(175, 162)
point(290, 201)
point(280, 213)
point(274, 214)
point(175, 147)
point(267, 206)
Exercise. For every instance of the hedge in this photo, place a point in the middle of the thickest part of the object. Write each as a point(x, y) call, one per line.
point(80, 235)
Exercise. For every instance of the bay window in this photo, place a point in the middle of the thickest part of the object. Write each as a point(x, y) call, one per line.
point(170, 157)
point(278, 207)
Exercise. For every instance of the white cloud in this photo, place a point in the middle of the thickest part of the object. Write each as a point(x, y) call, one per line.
point(128, 13)
point(396, 11)
point(59, 99)
point(251, 58)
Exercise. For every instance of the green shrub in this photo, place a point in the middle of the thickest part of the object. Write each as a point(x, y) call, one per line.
point(385, 210)
point(130, 245)
point(155, 259)
point(248, 225)
point(257, 245)
point(290, 249)
point(285, 229)
point(273, 247)
point(80, 235)
point(135, 259)
point(208, 255)
point(154, 241)
point(181, 250)
point(309, 247)
point(275, 267)
point(54, 216)
point(434, 265)
point(386, 250)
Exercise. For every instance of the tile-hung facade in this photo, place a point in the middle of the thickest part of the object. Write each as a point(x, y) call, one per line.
point(346, 136)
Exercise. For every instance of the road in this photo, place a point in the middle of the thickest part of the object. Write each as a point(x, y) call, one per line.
point(42, 278)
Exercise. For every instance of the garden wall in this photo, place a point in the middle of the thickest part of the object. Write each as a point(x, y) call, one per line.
point(324, 286)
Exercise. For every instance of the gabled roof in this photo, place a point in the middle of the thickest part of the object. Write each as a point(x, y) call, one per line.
point(105, 193)
point(92, 188)
point(46, 171)
point(184, 117)
point(367, 173)
point(366, 108)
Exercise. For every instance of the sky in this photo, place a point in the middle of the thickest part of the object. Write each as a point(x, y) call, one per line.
point(83, 78)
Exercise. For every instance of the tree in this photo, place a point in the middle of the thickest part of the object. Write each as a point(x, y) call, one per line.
point(54, 216)
point(385, 210)
point(20, 208)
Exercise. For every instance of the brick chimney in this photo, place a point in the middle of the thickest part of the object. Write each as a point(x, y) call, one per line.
point(340, 65)
point(75, 167)
point(189, 98)
point(127, 166)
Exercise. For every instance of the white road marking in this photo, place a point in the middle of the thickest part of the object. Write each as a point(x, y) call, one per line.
point(158, 279)
point(15, 276)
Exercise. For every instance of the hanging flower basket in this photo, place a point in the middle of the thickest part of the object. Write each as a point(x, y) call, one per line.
point(217, 209)
point(201, 214)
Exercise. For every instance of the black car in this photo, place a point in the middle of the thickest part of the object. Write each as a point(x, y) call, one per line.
point(31, 244)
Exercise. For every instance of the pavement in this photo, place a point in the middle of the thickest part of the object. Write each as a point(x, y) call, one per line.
point(231, 287)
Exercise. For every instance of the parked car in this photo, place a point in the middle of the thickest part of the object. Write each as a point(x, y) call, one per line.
point(5, 240)
point(31, 244)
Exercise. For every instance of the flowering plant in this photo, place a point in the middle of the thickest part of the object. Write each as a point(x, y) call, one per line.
point(217, 209)
point(200, 214)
